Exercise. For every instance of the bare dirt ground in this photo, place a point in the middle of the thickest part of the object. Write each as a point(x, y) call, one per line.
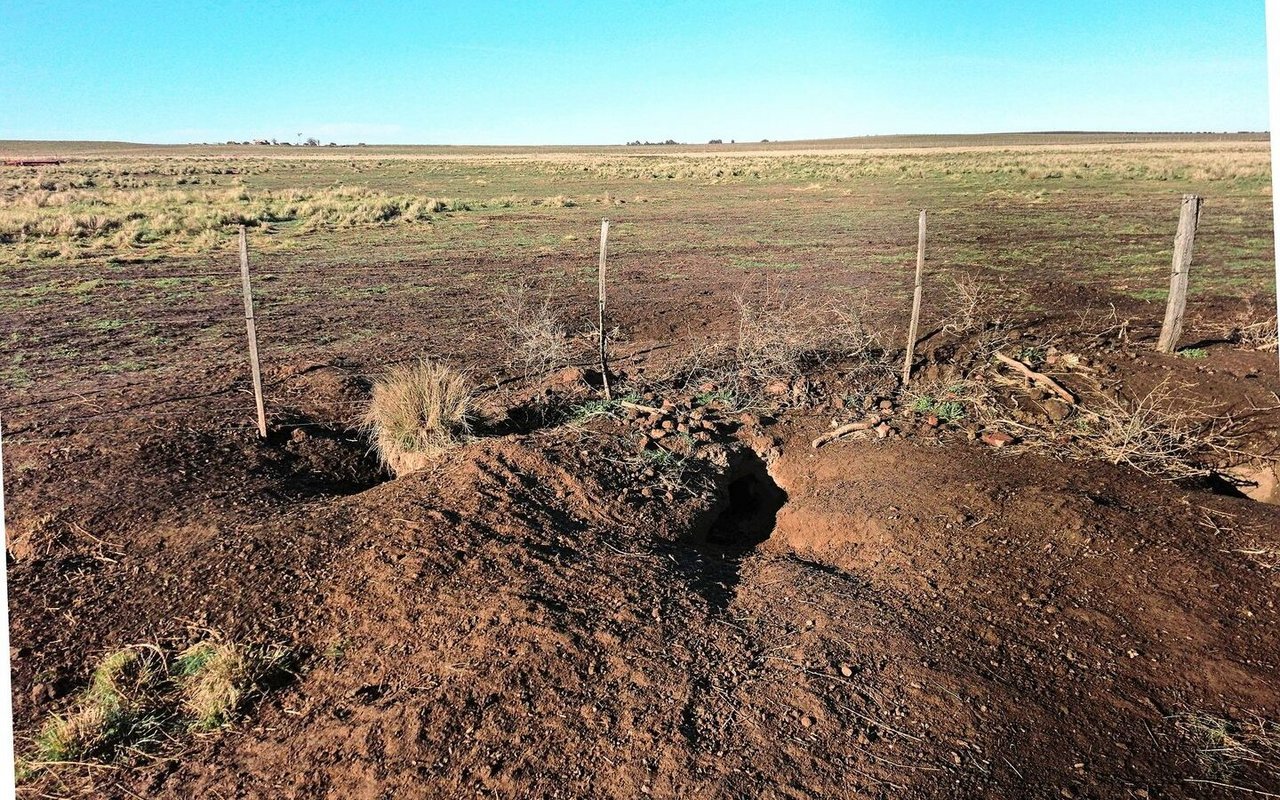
point(552, 610)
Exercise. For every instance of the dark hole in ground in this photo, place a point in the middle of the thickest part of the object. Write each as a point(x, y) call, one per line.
point(749, 511)
point(744, 515)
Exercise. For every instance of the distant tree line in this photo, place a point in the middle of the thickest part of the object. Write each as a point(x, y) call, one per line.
point(311, 142)
point(638, 143)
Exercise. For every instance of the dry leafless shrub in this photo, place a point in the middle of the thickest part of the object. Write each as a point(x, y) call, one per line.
point(965, 299)
point(1259, 335)
point(417, 411)
point(1147, 433)
point(781, 340)
point(536, 342)
point(780, 336)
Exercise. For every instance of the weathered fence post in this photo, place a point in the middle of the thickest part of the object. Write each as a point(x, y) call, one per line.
point(604, 358)
point(1188, 221)
point(253, 333)
point(915, 304)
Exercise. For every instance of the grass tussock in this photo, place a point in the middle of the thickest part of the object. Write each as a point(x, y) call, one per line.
point(417, 411)
point(138, 697)
point(214, 678)
point(122, 708)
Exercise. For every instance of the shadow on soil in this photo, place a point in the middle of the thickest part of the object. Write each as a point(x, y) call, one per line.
point(748, 501)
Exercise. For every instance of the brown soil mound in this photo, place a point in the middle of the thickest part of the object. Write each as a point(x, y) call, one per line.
point(504, 624)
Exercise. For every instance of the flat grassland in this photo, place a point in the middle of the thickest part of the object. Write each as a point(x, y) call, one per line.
point(121, 260)
point(985, 592)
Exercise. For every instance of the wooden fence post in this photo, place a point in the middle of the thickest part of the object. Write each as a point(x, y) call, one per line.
point(1188, 221)
point(915, 304)
point(253, 333)
point(604, 360)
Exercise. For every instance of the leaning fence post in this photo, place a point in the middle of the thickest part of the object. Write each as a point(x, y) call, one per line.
point(253, 333)
point(915, 304)
point(604, 366)
point(1188, 221)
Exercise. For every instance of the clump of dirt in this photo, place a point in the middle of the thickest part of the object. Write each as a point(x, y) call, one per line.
point(320, 394)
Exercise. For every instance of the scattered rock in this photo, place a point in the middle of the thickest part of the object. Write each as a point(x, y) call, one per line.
point(1055, 409)
point(997, 439)
point(571, 375)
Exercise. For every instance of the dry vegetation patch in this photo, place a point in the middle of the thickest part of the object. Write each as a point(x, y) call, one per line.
point(417, 411)
point(1232, 752)
point(782, 339)
point(138, 697)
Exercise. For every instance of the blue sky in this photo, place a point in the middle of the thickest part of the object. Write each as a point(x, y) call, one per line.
point(513, 72)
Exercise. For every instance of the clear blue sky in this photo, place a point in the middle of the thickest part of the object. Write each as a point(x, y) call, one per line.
point(579, 72)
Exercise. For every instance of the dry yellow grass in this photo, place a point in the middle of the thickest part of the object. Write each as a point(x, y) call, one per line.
point(214, 677)
point(417, 411)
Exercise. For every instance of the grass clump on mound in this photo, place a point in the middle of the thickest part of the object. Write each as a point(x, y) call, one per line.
point(417, 411)
point(214, 679)
point(123, 707)
point(137, 696)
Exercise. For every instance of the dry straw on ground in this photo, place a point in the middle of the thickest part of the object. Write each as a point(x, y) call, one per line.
point(417, 411)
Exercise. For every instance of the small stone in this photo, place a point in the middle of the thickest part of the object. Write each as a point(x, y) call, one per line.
point(807, 721)
point(646, 492)
point(1056, 410)
point(749, 419)
point(997, 439)
point(657, 433)
point(846, 670)
point(882, 430)
point(777, 389)
point(931, 420)
point(298, 435)
point(886, 405)
point(668, 425)
point(571, 375)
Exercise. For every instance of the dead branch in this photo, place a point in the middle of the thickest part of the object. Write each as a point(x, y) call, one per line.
point(845, 430)
point(1037, 377)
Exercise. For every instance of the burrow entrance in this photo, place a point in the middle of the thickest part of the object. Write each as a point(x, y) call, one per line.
point(748, 508)
point(742, 516)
